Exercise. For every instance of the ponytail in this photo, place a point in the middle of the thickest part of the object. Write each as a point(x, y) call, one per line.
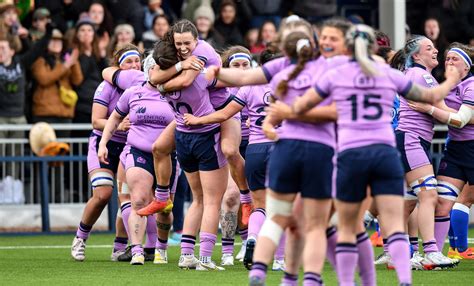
point(361, 54)
point(296, 45)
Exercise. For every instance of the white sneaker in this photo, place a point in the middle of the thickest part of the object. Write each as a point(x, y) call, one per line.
point(241, 254)
point(278, 265)
point(416, 260)
point(383, 258)
point(227, 259)
point(78, 249)
point(208, 266)
point(161, 256)
point(436, 261)
point(188, 262)
point(115, 254)
point(138, 259)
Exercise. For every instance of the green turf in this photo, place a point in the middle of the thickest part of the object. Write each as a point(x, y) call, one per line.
point(56, 267)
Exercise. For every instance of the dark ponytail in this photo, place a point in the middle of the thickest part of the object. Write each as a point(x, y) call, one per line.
point(296, 46)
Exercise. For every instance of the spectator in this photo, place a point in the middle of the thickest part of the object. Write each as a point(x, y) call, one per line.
point(64, 13)
point(161, 25)
point(92, 59)
point(315, 11)
point(264, 10)
point(130, 12)
point(204, 21)
point(244, 13)
point(13, 70)
point(41, 17)
point(52, 71)
point(433, 32)
point(226, 24)
point(266, 34)
point(123, 34)
point(12, 26)
point(251, 38)
point(156, 8)
point(102, 19)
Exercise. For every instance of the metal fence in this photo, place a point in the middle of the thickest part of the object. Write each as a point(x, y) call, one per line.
point(46, 180)
point(67, 182)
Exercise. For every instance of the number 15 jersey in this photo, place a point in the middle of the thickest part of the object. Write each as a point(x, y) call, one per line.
point(364, 103)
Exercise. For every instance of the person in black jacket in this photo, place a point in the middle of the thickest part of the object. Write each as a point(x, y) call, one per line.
point(13, 70)
point(92, 58)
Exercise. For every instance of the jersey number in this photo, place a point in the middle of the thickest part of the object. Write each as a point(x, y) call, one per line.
point(368, 103)
point(259, 120)
point(178, 106)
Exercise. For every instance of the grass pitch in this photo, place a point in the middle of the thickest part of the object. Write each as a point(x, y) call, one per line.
point(46, 260)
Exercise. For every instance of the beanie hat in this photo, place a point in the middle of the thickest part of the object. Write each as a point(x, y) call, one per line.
point(206, 12)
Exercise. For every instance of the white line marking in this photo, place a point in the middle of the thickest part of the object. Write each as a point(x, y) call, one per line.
point(68, 246)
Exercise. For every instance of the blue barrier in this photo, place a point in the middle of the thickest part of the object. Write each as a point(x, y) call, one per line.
point(44, 190)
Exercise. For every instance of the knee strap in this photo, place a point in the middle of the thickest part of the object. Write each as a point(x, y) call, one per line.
point(277, 207)
point(447, 191)
point(102, 179)
point(425, 183)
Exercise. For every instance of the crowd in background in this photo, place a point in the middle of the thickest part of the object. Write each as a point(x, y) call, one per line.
point(50, 49)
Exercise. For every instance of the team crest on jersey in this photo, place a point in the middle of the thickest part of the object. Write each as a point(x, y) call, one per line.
point(364, 81)
point(141, 160)
point(267, 98)
point(175, 95)
point(429, 80)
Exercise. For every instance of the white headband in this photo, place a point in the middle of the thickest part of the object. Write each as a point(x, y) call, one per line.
point(239, 56)
point(302, 43)
point(463, 55)
point(128, 54)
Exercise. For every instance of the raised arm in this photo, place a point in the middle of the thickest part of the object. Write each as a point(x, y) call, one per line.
point(435, 94)
point(216, 117)
point(237, 77)
point(318, 114)
point(184, 80)
point(310, 99)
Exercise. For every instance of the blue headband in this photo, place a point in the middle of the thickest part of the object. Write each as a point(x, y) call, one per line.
point(124, 56)
point(239, 56)
point(463, 55)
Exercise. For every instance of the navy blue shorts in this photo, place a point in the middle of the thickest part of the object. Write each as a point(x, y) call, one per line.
point(199, 151)
point(301, 166)
point(415, 151)
point(378, 166)
point(144, 160)
point(243, 146)
point(256, 161)
point(114, 150)
point(458, 161)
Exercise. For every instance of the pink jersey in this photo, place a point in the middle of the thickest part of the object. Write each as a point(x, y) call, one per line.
point(364, 103)
point(244, 114)
point(108, 96)
point(314, 132)
point(273, 67)
point(128, 78)
point(207, 54)
point(413, 121)
point(255, 98)
point(149, 113)
point(463, 93)
point(194, 100)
